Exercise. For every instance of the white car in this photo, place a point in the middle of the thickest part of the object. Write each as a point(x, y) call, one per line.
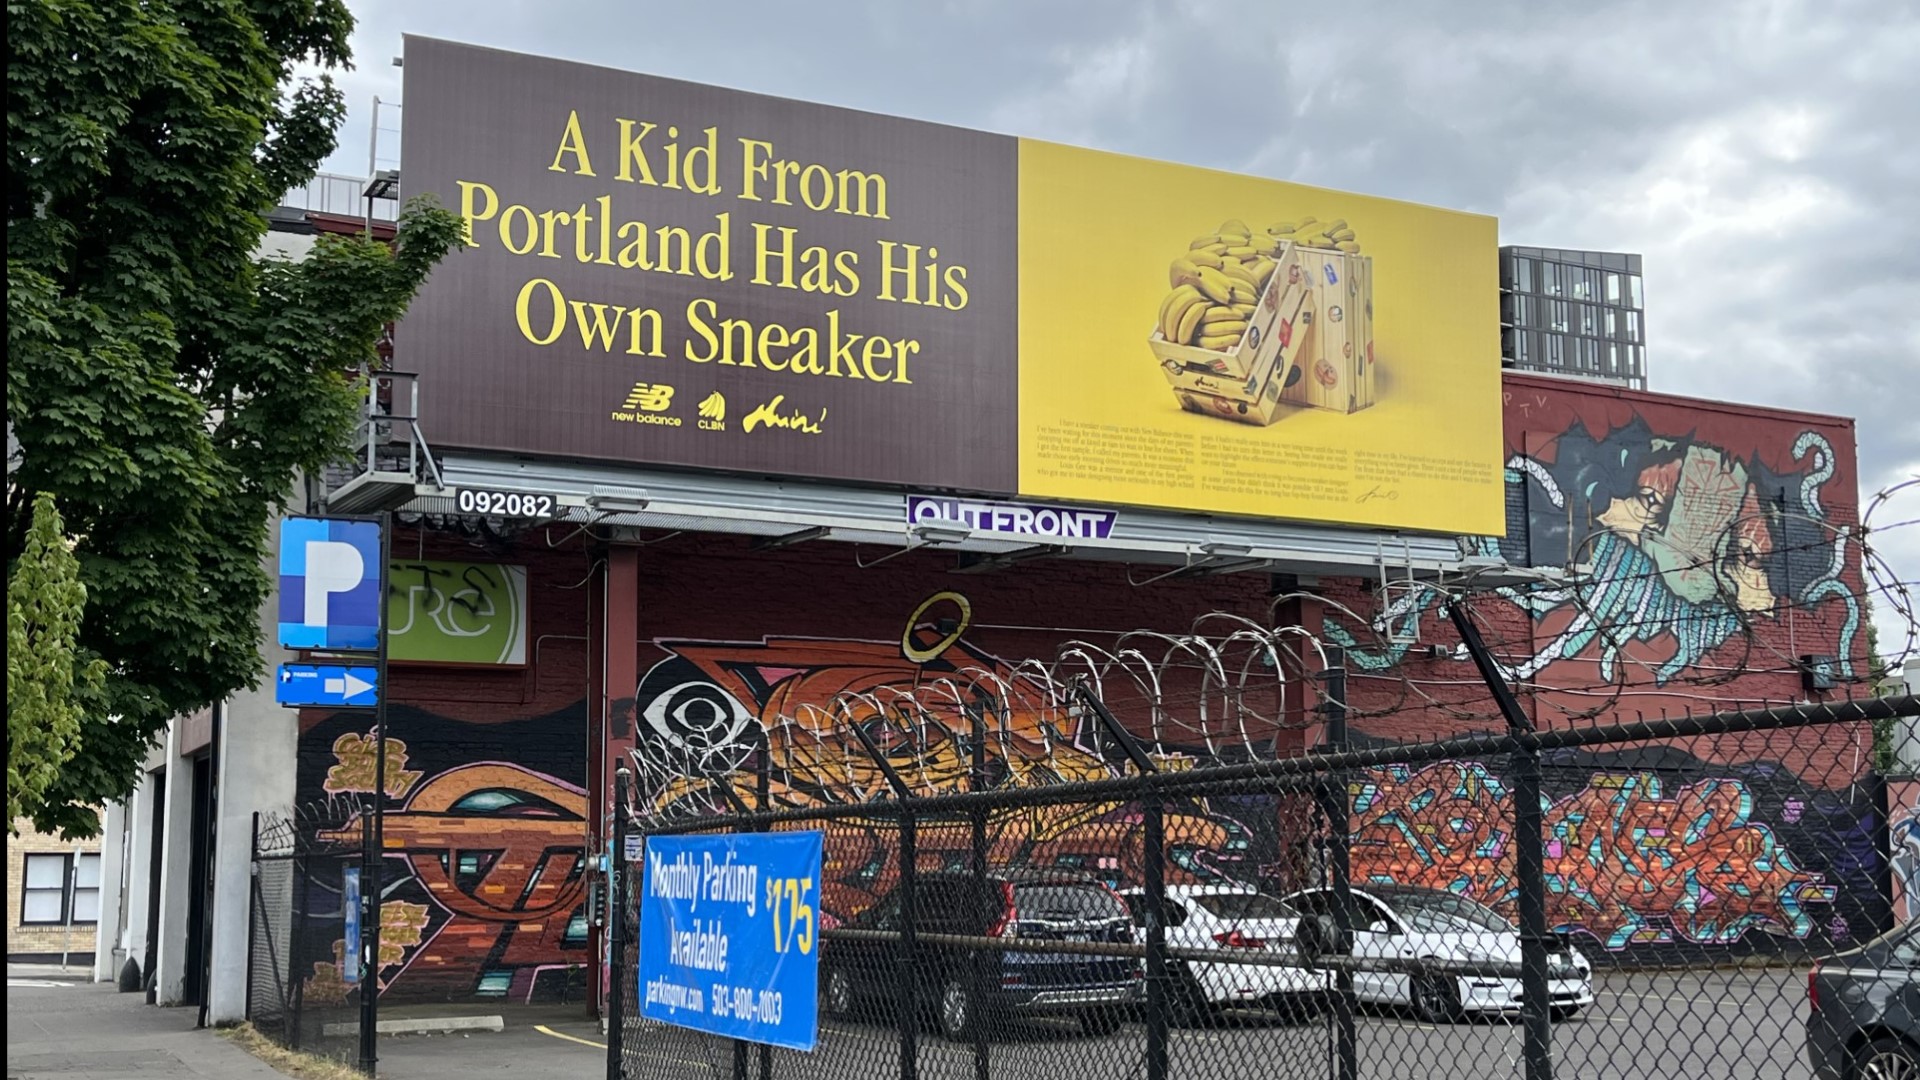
point(1229, 918)
point(1404, 922)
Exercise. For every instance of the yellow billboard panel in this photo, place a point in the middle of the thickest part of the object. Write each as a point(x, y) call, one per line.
point(1206, 341)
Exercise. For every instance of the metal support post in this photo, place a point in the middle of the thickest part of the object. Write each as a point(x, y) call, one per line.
point(374, 835)
point(1529, 855)
point(1153, 838)
point(907, 976)
point(253, 905)
point(1336, 805)
point(977, 971)
point(761, 798)
point(617, 880)
point(1153, 841)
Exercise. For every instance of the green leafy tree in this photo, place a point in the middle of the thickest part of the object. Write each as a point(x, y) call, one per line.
point(44, 684)
point(162, 383)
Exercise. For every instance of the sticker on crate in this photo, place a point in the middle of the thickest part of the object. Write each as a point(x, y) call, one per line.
point(1236, 330)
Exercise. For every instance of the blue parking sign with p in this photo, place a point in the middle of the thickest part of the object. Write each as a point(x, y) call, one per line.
point(331, 584)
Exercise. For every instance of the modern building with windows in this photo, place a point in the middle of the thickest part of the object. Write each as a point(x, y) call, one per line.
point(1578, 313)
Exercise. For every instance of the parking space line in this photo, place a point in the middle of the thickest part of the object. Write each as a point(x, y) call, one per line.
point(545, 1030)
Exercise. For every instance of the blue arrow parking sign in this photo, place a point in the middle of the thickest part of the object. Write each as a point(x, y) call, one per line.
point(327, 684)
point(331, 587)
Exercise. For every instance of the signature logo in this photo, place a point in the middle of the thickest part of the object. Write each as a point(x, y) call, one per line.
point(771, 416)
point(649, 397)
point(1379, 493)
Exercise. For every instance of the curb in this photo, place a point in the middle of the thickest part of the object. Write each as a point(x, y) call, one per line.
point(424, 1025)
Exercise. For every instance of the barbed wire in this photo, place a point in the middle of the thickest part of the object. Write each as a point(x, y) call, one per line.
point(1613, 633)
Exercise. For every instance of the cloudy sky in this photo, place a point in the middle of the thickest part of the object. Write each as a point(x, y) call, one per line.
point(1764, 155)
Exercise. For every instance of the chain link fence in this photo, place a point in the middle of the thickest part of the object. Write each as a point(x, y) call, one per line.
point(300, 991)
point(1593, 901)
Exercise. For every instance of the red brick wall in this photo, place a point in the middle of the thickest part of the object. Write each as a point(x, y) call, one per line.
point(1681, 622)
point(775, 630)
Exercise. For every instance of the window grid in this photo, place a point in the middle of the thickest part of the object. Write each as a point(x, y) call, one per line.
point(1586, 323)
point(53, 890)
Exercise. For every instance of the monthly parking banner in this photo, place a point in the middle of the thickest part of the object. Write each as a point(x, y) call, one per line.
point(730, 935)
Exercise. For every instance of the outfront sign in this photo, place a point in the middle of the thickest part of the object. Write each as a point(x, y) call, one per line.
point(730, 935)
point(330, 584)
point(666, 272)
point(1014, 519)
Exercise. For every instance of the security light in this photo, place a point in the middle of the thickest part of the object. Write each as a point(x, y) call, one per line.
point(384, 185)
point(624, 501)
point(937, 531)
point(1216, 548)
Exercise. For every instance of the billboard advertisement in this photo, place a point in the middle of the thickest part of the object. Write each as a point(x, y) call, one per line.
point(669, 273)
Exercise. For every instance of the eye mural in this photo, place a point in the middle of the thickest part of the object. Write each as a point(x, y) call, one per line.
point(710, 709)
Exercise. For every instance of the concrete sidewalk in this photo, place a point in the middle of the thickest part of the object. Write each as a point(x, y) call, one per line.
point(60, 1028)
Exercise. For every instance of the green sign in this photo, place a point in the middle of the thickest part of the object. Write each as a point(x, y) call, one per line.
point(457, 613)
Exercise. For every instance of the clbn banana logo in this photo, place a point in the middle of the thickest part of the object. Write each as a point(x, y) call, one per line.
point(713, 412)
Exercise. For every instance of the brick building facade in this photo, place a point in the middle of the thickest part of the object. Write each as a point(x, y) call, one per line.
point(1714, 539)
point(53, 897)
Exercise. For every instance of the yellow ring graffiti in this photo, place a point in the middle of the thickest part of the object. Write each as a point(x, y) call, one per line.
point(919, 655)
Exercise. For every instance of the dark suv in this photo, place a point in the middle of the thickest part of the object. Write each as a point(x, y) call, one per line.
point(859, 974)
point(1863, 1020)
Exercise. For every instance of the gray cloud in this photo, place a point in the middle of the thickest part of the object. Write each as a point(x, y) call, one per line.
point(1764, 157)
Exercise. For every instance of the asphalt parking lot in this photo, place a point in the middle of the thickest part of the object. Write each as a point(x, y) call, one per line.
point(1644, 1026)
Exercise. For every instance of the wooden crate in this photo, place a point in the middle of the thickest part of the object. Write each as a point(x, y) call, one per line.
point(1259, 401)
point(1338, 364)
point(1246, 383)
point(1247, 360)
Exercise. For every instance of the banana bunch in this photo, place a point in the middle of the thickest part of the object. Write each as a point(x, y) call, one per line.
point(1215, 286)
point(1308, 232)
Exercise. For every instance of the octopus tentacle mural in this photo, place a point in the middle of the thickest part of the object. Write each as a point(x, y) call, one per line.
point(1681, 542)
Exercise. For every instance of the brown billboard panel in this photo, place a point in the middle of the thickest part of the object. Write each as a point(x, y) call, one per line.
point(660, 272)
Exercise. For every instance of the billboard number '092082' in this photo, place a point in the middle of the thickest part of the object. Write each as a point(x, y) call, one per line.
point(503, 503)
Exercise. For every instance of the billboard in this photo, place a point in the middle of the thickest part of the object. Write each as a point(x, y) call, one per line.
point(669, 273)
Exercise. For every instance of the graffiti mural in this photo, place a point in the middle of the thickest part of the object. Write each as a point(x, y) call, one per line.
point(709, 707)
point(1684, 539)
point(1903, 844)
point(1662, 850)
point(1632, 858)
point(1684, 543)
point(485, 874)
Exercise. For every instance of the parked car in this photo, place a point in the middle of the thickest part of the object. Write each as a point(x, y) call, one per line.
point(1863, 1020)
point(1024, 905)
point(1230, 918)
point(1404, 922)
